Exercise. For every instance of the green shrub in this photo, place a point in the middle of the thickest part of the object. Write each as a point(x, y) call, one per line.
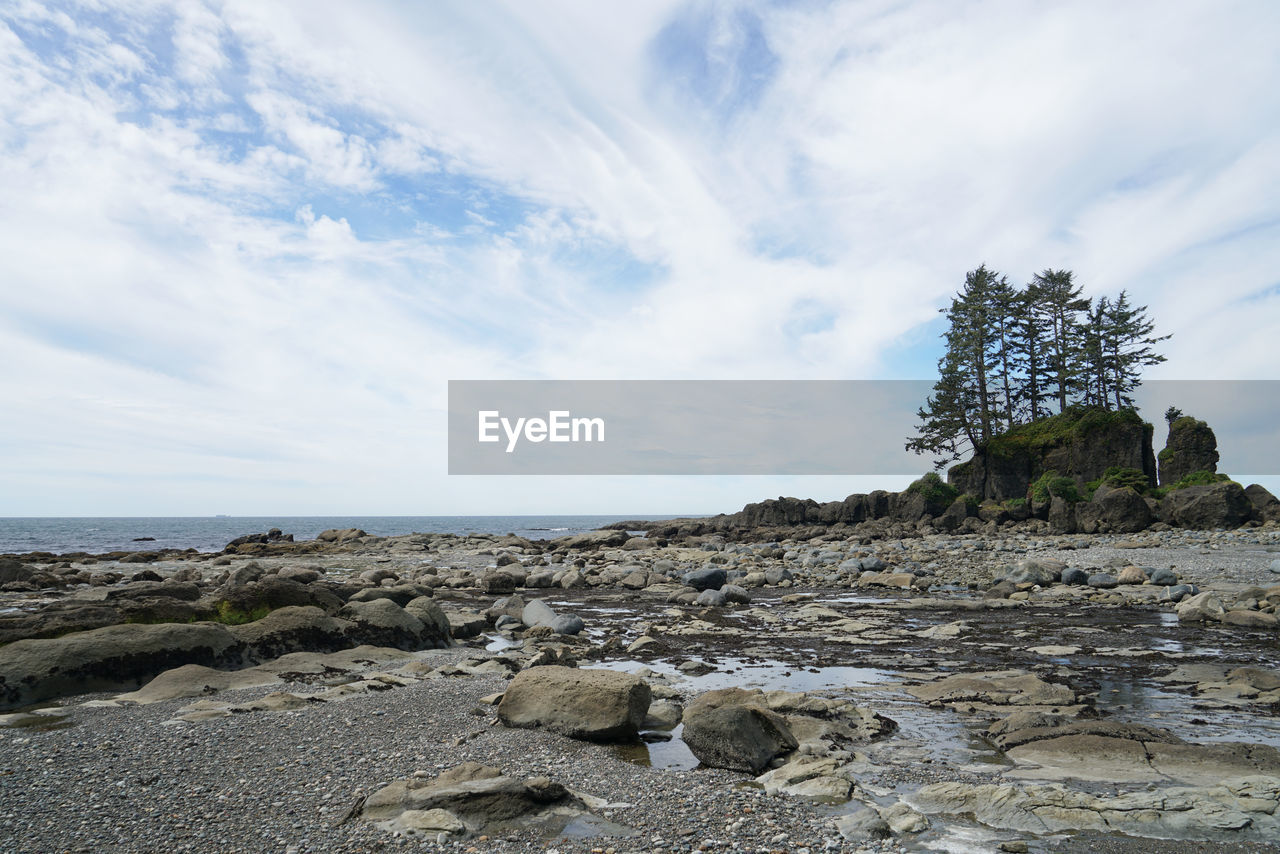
point(1011, 503)
point(1200, 478)
point(1118, 477)
point(1051, 484)
point(934, 490)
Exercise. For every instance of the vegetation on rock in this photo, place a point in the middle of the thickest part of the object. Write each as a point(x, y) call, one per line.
point(933, 489)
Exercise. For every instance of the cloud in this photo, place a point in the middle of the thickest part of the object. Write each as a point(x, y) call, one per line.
point(247, 244)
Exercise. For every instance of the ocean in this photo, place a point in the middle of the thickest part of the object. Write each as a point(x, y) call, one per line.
point(212, 533)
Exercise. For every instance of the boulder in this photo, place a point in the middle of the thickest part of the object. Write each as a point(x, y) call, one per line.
point(12, 570)
point(733, 728)
point(434, 620)
point(594, 705)
point(107, 658)
point(537, 613)
point(465, 624)
point(401, 594)
point(710, 599)
point(501, 582)
point(1132, 575)
point(1201, 608)
point(591, 540)
point(1120, 510)
point(384, 623)
point(862, 825)
point(1042, 571)
point(1075, 575)
point(707, 578)
point(271, 592)
point(340, 535)
point(1266, 507)
point(295, 628)
point(1219, 505)
point(1062, 516)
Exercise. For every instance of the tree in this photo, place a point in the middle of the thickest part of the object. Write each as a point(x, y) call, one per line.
point(1129, 343)
point(1004, 303)
point(946, 425)
point(1030, 348)
point(1058, 301)
point(1172, 414)
point(966, 403)
point(1095, 355)
point(1007, 351)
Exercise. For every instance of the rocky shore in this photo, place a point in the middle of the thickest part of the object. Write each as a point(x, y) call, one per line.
point(785, 685)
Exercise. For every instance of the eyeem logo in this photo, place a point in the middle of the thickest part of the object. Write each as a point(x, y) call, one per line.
point(558, 426)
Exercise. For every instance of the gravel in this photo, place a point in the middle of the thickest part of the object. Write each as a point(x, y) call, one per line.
point(128, 779)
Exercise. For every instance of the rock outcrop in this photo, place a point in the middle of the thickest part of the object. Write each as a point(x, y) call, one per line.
point(1218, 505)
point(1081, 443)
point(1190, 447)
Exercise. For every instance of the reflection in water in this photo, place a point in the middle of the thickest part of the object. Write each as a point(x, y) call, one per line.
point(674, 755)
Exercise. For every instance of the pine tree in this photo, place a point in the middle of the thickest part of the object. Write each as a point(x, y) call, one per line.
point(1130, 347)
point(1004, 302)
point(1059, 303)
point(966, 403)
point(1030, 347)
point(946, 423)
point(1095, 355)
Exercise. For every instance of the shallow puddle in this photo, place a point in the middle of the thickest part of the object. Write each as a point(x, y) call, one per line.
point(767, 675)
point(672, 755)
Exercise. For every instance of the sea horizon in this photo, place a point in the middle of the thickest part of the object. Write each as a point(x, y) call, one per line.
point(101, 534)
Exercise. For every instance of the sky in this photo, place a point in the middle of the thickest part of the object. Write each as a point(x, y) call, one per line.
point(245, 245)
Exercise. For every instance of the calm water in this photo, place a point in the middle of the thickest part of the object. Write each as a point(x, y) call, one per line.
point(212, 533)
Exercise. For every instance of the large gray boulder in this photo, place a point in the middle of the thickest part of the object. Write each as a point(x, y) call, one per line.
point(384, 623)
point(271, 592)
point(1219, 505)
point(107, 658)
point(594, 705)
point(539, 613)
point(1266, 507)
point(1118, 510)
point(733, 728)
point(434, 620)
point(1042, 571)
point(707, 578)
point(297, 628)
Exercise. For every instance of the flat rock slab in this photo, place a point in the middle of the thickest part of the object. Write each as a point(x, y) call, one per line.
point(1242, 808)
point(999, 688)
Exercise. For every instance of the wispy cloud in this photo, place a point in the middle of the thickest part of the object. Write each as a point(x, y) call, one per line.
point(250, 242)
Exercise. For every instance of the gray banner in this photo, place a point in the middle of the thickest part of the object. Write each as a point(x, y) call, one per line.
point(772, 427)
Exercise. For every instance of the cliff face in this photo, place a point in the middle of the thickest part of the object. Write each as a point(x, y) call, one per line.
point(1080, 443)
point(1191, 447)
